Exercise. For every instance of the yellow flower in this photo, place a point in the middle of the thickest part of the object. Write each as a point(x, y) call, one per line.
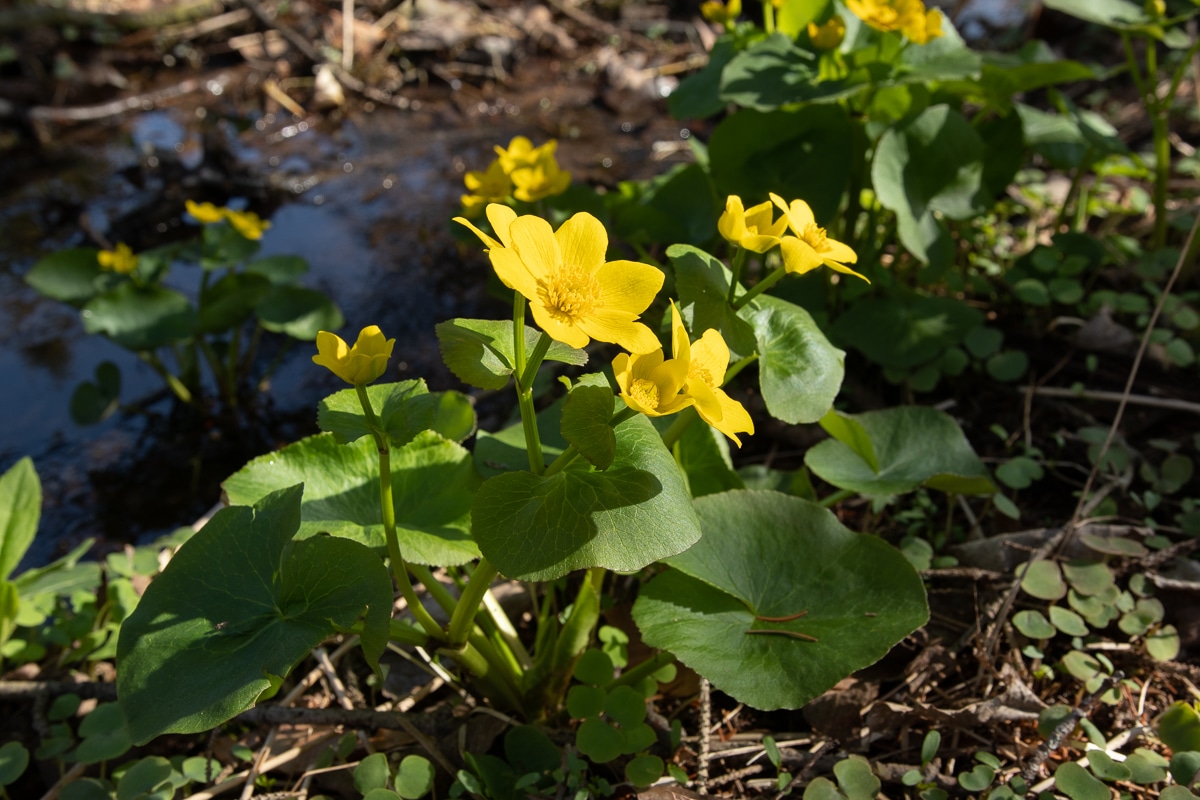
point(719, 13)
point(542, 177)
point(708, 359)
point(651, 383)
point(575, 296)
point(205, 213)
point(361, 364)
point(811, 247)
point(491, 186)
point(828, 35)
point(886, 15)
point(247, 223)
point(121, 260)
point(519, 153)
point(922, 28)
point(754, 229)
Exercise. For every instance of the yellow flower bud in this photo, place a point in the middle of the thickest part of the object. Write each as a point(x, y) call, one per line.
point(828, 35)
point(359, 365)
point(121, 260)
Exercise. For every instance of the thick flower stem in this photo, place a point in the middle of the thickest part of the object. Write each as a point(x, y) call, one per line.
point(682, 420)
point(759, 288)
point(643, 670)
point(388, 509)
point(741, 364)
point(533, 441)
point(739, 258)
point(175, 385)
point(469, 602)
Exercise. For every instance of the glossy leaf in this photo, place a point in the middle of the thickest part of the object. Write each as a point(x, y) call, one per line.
point(20, 510)
point(907, 330)
point(702, 282)
point(480, 352)
point(140, 318)
point(696, 96)
point(14, 758)
point(915, 446)
point(278, 269)
point(230, 301)
point(433, 484)
point(703, 454)
point(769, 554)
point(585, 424)
point(403, 409)
point(1078, 784)
point(236, 608)
point(73, 276)
point(632, 514)
point(298, 312)
point(799, 371)
point(770, 73)
point(1043, 580)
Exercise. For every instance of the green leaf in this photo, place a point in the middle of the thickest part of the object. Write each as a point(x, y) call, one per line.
point(1008, 365)
point(585, 424)
point(696, 96)
point(1043, 580)
point(1120, 14)
point(14, 758)
point(1176, 792)
point(770, 73)
point(1088, 577)
point(915, 446)
point(855, 777)
point(1146, 766)
point(372, 773)
point(528, 749)
point(594, 667)
point(414, 777)
point(72, 276)
point(1068, 141)
point(1113, 545)
point(702, 452)
point(1147, 613)
point(1068, 621)
point(934, 163)
point(585, 701)
point(1084, 666)
point(20, 509)
point(905, 330)
point(1163, 644)
point(1104, 768)
point(1019, 472)
point(929, 746)
point(805, 154)
point(433, 483)
point(298, 312)
point(140, 318)
point(644, 770)
point(977, 778)
point(236, 608)
point(105, 735)
point(278, 269)
point(1184, 766)
point(769, 554)
point(64, 576)
point(945, 58)
point(822, 789)
point(229, 302)
point(636, 512)
point(676, 206)
point(480, 351)
point(703, 285)
point(404, 409)
point(87, 789)
point(148, 779)
point(1033, 624)
point(599, 741)
point(625, 706)
point(1078, 784)
point(93, 401)
point(850, 432)
point(799, 371)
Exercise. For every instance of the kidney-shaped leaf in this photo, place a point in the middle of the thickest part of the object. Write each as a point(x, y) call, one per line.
point(765, 554)
point(140, 318)
point(404, 409)
point(799, 371)
point(433, 482)
point(480, 351)
point(914, 446)
point(298, 312)
point(632, 514)
point(703, 285)
point(233, 612)
point(72, 276)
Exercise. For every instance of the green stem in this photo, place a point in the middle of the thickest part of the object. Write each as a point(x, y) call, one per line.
point(682, 420)
point(1159, 110)
point(173, 383)
point(739, 258)
point(759, 288)
point(468, 603)
point(218, 370)
point(533, 441)
point(740, 365)
point(388, 509)
point(535, 361)
point(836, 497)
point(643, 670)
point(436, 590)
point(768, 17)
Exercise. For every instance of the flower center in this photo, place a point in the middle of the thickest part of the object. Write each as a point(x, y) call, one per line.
point(701, 374)
point(814, 236)
point(570, 294)
point(644, 393)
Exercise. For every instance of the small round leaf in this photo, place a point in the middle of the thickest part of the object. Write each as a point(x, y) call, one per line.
point(644, 770)
point(414, 777)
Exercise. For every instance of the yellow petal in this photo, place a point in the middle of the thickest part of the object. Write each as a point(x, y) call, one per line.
point(837, 251)
point(759, 243)
point(583, 242)
point(734, 417)
point(670, 376)
point(570, 335)
point(512, 272)
point(680, 345)
point(643, 365)
point(706, 402)
point(629, 286)
point(710, 358)
point(618, 327)
point(798, 255)
point(836, 267)
point(534, 241)
point(483, 237)
point(732, 224)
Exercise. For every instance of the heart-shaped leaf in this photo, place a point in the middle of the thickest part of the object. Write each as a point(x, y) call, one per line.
point(73, 276)
point(480, 351)
point(140, 318)
point(799, 371)
point(703, 285)
point(433, 484)
point(915, 446)
point(233, 612)
point(585, 424)
point(298, 312)
point(769, 555)
point(632, 514)
point(404, 409)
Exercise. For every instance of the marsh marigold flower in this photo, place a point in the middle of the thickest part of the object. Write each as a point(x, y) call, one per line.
point(923, 28)
point(205, 213)
point(829, 34)
point(542, 178)
point(756, 229)
point(359, 365)
point(907, 16)
point(811, 247)
point(247, 223)
point(719, 13)
point(120, 260)
point(491, 186)
point(651, 383)
point(708, 359)
point(574, 294)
